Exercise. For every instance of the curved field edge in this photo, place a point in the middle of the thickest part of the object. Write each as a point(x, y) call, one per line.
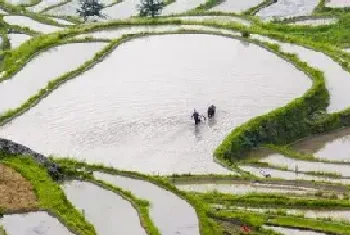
point(206, 225)
point(50, 196)
point(245, 137)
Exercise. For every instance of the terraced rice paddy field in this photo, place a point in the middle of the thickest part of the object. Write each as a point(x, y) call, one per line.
point(110, 102)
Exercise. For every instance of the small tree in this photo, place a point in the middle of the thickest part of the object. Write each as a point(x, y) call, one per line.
point(151, 7)
point(90, 8)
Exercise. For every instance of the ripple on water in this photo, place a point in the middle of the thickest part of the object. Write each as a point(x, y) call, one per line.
point(33, 223)
point(107, 211)
point(133, 110)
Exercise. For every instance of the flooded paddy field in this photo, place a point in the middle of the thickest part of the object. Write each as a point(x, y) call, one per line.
point(290, 175)
point(181, 6)
point(110, 215)
point(17, 39)
point(290, 231)
point(98, 123)
point(244, 188)
point(163, 203)
point(30, 23)
point(337, 3)
point(236, 6)
point(337, 79)
point(288, 8)
point(334, 146)
point(305, 166)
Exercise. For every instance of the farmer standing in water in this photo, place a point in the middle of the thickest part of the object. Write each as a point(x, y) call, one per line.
point(196, 117)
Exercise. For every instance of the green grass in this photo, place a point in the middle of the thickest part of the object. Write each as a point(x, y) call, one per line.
point(49, 194)
point(2, 230)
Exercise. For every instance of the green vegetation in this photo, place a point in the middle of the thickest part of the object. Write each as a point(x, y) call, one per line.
point(282, 125)
point(49, 194)
point(2, 230)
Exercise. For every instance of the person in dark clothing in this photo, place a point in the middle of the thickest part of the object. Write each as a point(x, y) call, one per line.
point(196, 116)
point(211, 111)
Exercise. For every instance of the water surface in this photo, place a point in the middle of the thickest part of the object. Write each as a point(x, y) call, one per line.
point(290, 231)
point(133, 110)
point(125, 9)
point(243, 188)
point(292, 164)
point(25, 21)
point(180, 6)
point(43, 4)
point(337, 79)
point(39, 71)
point(236, 6)
point(333, 146)
point(18, 39)
point(33, 223)
point(337, 3)
point(288, 8)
